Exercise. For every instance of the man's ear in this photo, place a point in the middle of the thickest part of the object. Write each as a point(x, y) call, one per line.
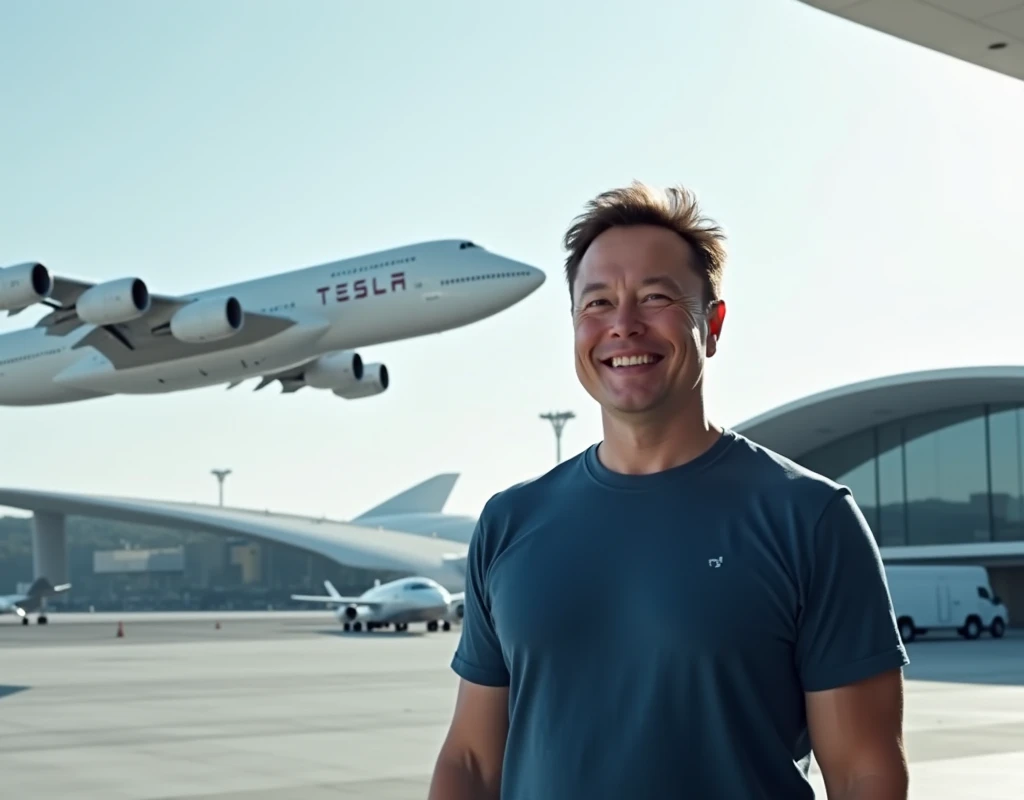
point(716, 319)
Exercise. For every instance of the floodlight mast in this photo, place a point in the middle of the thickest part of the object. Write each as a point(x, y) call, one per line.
point(220, 474)
point(558, 420)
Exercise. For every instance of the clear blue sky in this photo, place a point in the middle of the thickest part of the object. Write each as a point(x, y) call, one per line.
point(870, 188)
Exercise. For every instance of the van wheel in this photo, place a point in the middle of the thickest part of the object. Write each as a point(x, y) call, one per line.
point(998, 628)
point(906, 630)
point(972, 628)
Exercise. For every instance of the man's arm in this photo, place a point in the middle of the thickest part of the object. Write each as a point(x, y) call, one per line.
point(469, 764)
point(856, 733)
point(850, 659)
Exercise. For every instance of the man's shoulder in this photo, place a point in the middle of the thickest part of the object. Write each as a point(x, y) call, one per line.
point(779, 476)
point(535, 493)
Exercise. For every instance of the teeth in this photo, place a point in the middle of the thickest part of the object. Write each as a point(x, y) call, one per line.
point(632, 361)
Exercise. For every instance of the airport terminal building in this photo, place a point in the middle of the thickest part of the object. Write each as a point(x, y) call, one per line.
point(934, 459)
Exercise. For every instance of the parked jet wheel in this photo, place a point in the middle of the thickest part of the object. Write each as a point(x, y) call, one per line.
point(998, 628)
point(447, 626)
point(357, 626)
point(972, 628)
point(432, 625)
point(907, 631)
point(42, 620)
point(24, 620)
point(346, 627)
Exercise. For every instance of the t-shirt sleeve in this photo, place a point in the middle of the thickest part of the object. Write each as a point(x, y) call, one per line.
point(478, 657)
point(847, 629)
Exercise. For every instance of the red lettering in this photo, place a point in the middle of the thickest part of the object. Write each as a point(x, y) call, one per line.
point(377, 289)
point(341, 292)
point(397, 279)
point(360, 287)
point(323, 294)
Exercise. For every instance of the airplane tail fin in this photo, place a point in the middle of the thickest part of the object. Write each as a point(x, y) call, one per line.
point(423, 498)
point(42, 587)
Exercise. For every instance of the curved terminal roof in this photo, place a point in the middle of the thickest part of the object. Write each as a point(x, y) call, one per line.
point(989, 34)
point(346, 543)
point(797, 428)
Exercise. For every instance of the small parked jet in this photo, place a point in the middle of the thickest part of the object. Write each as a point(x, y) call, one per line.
point(394, 603)
point(34, 600)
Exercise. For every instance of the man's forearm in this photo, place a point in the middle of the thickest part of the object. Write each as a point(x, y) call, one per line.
point(456, 779)
point(874, 787)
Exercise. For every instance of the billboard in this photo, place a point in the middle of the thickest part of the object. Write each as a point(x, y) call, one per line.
point(167, 559)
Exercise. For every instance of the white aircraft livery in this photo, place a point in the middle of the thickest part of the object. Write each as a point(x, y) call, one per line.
point(394, 603)
point(301, 328)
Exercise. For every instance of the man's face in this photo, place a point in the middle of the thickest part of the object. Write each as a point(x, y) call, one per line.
point(641, 320)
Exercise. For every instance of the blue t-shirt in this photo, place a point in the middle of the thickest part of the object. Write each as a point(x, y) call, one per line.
point(657, 632)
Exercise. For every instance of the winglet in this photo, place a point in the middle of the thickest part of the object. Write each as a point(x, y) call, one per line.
point(423, 498)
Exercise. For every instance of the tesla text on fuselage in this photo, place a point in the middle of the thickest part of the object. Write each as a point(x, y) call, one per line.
point(301, 328)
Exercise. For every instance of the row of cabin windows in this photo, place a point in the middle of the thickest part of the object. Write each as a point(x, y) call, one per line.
point(490, 276)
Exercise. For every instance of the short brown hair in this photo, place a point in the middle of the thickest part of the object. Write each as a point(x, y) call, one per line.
point(674, 208)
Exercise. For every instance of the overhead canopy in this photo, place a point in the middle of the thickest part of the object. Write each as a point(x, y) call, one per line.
point(797, 428)
point(988, 33)
point(345, 543)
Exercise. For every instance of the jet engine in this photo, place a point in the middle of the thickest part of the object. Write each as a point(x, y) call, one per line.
point(374, 381)
point(24, 285)
point(113, 301)
point(208, 320)
point(354, 613)
point(339, 371)
point(457, 610)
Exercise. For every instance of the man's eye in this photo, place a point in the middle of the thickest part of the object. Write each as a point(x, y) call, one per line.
point(594, 302)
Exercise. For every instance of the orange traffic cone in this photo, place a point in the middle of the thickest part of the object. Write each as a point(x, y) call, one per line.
point(120, 630)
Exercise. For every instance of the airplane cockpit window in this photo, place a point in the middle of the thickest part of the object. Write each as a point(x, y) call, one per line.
point(414, 586)
point(466, 245)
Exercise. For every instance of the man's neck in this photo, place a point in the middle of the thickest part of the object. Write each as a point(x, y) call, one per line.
point(643, 447)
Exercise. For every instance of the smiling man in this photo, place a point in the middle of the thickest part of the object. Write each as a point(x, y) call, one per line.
point(677, 611)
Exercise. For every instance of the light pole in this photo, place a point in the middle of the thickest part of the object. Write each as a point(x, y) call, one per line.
point(221, 475)
point(558, 420)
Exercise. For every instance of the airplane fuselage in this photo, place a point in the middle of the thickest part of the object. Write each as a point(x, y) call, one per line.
point(340, 306)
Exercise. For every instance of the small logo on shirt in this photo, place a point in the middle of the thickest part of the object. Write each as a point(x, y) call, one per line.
point(716, 563)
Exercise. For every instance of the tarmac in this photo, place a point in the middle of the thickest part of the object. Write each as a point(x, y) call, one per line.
point(282, 705)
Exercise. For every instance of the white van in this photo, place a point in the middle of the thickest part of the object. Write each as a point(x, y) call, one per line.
point(959, 598)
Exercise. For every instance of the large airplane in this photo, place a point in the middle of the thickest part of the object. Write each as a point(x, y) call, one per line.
point(301, 328)
point(395, 603)
point(32, 601)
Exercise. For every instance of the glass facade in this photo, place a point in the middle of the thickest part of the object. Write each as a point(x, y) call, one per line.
point(949, 477)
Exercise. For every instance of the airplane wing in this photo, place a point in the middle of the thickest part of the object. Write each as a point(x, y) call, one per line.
point(66, 292)
point(339, 600)
point(291, 379)
point(333, 597)
point(325, 598)
point(147, 339)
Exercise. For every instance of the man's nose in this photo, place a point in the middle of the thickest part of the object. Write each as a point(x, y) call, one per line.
point(627, 321)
